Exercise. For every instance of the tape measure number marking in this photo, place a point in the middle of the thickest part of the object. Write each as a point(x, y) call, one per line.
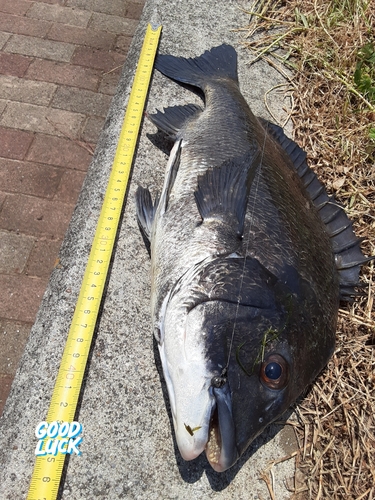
point(47, 472)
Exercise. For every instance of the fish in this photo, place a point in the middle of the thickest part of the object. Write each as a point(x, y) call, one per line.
point(250, 258)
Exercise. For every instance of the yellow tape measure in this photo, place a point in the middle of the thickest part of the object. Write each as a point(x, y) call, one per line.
point(46, 477)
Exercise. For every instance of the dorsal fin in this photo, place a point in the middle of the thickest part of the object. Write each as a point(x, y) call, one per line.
point(173, 119)
point(345, 244)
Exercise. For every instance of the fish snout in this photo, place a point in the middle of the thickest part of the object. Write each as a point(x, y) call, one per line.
point(191, 441)
point(192, 430)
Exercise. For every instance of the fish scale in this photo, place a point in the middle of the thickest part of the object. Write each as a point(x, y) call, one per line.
point(249, 258)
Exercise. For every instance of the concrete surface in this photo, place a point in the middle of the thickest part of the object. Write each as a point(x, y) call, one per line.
point(128, 450)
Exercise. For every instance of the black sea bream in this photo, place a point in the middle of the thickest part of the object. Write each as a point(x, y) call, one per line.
point(249, 259)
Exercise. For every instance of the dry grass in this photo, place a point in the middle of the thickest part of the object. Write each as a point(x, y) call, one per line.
point(321, 43)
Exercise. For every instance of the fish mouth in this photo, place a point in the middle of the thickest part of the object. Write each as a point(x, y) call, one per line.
point(221, 450)
point(213, 446)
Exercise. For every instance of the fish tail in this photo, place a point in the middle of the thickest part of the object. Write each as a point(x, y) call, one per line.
point(219, 62)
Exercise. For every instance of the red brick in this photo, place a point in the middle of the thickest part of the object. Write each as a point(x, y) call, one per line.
point(82, 36)
point(35, 216)
point(23, 25)
point(4, 38)
point(81, 101)
point(113, 24)
point(29, 178)
point(52, 2)
point(58, 14)
point(39, 47)
point(64, 73)
point(5, 385)
point(14, 143)
point(14, 64)
point(99, 59)
point(43, 257)
point(2, 199)
point(123, 43)
point(114, 7)
point(27, 91)
point(19, 7)
point(3, 105)
point(15, 250)
point(134, 10)
point(109, 82)
point(70, 186)
point(59, 152)
point(41, 119)
point(93, 127)
point(20, 289)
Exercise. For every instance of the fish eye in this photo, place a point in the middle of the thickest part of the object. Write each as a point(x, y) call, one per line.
point(274, 372)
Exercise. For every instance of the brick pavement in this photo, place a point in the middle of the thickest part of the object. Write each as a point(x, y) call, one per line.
point(60, 61)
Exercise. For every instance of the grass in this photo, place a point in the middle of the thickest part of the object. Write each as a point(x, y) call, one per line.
point(326, 51)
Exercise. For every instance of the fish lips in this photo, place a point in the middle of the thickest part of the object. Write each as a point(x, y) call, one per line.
point(221, 449)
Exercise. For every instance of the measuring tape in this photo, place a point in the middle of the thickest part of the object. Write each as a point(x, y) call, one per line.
point(47, 472)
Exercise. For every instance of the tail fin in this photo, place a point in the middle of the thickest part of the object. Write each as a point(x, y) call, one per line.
point(218, 62)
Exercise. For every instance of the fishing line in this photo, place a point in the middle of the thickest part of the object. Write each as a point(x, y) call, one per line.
point(224, 371)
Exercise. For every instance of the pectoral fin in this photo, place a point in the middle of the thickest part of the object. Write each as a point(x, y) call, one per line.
point(223, 191)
